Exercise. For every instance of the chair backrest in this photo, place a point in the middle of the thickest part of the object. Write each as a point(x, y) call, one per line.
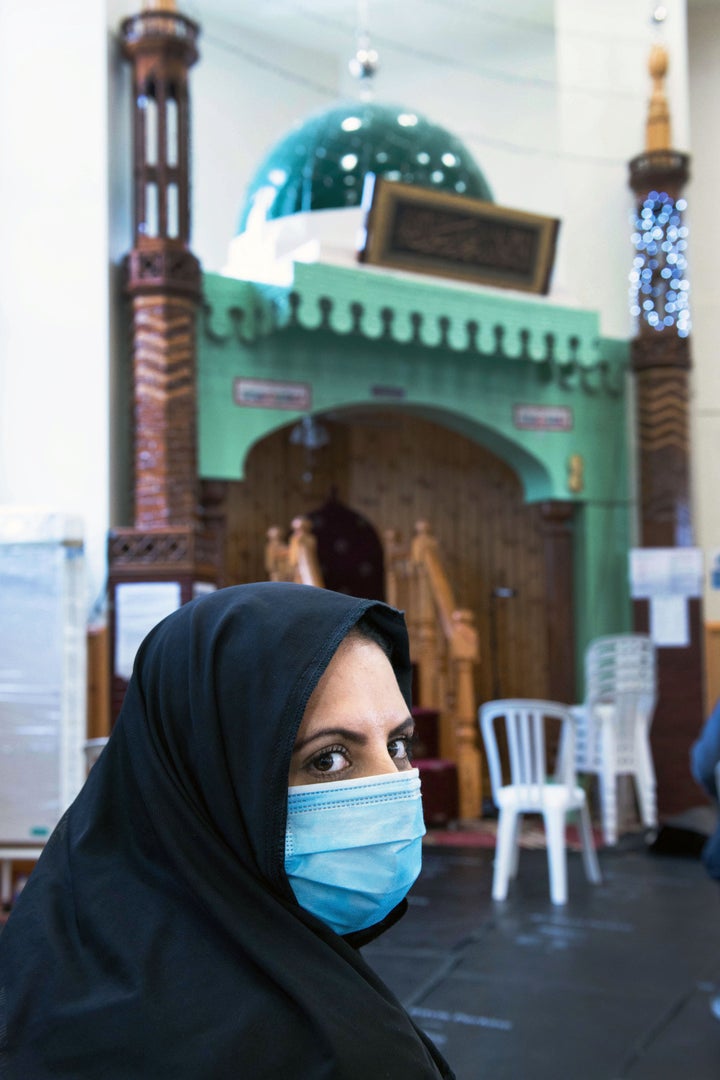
point(621, 670)
point(528, 725)
point(621, 662)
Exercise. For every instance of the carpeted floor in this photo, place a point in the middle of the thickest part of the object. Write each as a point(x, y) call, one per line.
point(483, 834)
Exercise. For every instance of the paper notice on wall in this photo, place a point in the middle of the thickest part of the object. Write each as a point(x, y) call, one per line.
point(139, 607)
point(669, 623)
point(665, 572)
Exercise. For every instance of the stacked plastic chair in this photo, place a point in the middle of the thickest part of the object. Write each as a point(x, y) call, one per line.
point(531, 728)
point(612, 736)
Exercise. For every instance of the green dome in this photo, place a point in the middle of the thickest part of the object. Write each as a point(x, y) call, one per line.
point(321, 164)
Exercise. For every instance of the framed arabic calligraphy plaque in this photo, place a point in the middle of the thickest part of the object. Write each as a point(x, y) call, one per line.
point(433, 232)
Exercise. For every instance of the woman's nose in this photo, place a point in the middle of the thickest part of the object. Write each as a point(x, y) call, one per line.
point(378, 761)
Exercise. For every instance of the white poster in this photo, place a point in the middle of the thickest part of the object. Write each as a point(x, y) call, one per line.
point(665, 572)
point(669, 621)
point(139, 607)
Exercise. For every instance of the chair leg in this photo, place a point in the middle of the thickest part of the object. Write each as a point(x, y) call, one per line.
point(507, 823)
point(516, 846)
point(608, 803)
point(590, 859)
point(557, 860)
point(646, 788)
point(647, 798)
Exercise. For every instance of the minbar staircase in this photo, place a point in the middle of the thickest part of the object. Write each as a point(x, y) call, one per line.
point(443, 648)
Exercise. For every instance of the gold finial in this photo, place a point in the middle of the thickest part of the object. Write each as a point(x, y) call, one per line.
point(160, 5)
point(657, 131)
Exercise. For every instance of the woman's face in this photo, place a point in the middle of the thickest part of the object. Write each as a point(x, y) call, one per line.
point(356, 722)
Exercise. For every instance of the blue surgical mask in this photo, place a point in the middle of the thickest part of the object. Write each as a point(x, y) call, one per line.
point(353, 848)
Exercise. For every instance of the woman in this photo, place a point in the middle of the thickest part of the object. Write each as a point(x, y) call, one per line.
point(190, 918)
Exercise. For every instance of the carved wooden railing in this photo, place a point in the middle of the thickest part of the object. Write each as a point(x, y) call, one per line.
point(295, 560)
point(444, 646)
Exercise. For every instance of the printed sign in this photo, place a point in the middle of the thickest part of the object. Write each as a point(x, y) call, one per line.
point(272, 394)
point(667, 577)
point(390, 393)
point(543, 417)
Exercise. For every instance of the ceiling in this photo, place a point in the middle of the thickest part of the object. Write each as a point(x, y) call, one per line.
point(462, 29)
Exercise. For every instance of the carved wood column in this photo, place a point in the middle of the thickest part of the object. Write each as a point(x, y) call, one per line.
point(163, 279)
point(165, 405)
point(175, 543)
point(661, 360)
point(557, 526)
point(661, 363)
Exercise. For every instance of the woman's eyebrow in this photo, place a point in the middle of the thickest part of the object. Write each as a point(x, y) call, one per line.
point(351, 734)
point(408, 724)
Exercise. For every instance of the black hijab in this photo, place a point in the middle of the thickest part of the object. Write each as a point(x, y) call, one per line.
point(158, 936)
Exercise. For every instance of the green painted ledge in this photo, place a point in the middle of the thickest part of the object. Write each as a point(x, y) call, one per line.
point(380, 304)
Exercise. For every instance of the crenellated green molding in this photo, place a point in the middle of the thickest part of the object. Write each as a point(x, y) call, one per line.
point(382, 305)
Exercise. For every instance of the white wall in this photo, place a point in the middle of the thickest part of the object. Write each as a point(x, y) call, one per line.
point(54, 350)
point(247, 90)
point(604, 87)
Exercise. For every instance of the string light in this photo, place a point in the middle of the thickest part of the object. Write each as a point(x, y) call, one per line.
point(659, 286)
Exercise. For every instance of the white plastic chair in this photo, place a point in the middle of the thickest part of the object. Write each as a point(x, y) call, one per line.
point(530, 790)
point(613, 724)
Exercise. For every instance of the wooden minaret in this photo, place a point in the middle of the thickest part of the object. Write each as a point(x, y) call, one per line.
point(163, 274)
point(170, 541)
point(661, 362)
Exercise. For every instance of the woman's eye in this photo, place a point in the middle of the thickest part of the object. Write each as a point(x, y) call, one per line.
point(330, 761)
point(401, 749)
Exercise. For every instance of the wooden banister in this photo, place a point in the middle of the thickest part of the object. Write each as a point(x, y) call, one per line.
point(464, 652)
point(277, 563)
point(302, 551)
point(297, 560)
point(425, 552)
point(444, 646)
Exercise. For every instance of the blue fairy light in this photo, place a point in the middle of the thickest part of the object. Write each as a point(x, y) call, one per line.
point(659, 288)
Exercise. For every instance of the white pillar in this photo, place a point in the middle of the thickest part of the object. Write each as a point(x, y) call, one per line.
point(55, 266)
